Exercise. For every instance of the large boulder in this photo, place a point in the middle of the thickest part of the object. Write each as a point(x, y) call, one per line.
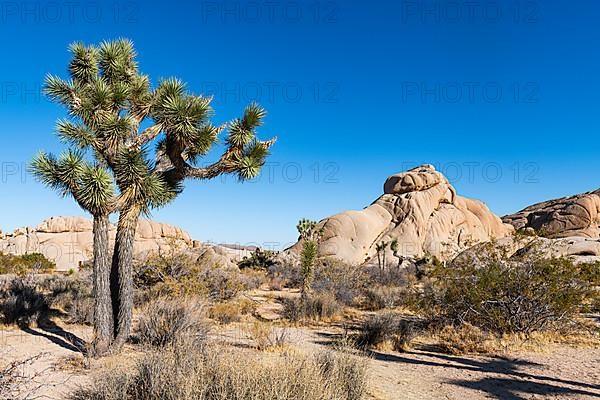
point(577, 215)
point(68, 241)
point(421, 211)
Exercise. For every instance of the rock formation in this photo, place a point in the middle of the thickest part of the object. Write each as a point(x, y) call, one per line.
point(68, 241)
point(577, 215)
point(419, 209)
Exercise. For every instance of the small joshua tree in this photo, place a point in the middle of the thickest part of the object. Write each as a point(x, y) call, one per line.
point(395, 250)
point(310, 236)
point(380, 248)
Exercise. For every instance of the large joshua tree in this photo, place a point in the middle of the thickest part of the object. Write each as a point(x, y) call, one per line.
point(114, 116)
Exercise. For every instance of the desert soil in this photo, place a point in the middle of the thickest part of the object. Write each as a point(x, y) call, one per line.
point(559, 372)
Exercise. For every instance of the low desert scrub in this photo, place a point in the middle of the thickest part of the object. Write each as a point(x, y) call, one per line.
point(259, 260)
point(14, 382)
point(166, 322)
point(179, 275)
point(387, 331)
point(22, 304)
point(465, 339)
point(508, 296)
point(184, 373)
point(313, 307)
point(381, 297)
point(265, 336)
point(231, 311)
point(24, 264)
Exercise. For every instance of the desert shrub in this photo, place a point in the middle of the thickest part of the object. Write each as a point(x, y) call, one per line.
point(221, 374)
point(344, 281)
point(388, 330)
point(379, 297)
point(231, 311)
point(166, 322)
point(22, 304)
point(314, 306)
point(265, 336)
point(23, 264)
point(180, 275)
point(507, 296)
point(285, 274)
point(259, 259)
point(73, 296)
point(463, 339)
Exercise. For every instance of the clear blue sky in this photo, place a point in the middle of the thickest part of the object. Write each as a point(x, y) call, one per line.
point(355, 91)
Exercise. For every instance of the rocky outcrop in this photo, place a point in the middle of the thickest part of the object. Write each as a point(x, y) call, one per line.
point(421, 211)
point(577, 215)
point(68, 241)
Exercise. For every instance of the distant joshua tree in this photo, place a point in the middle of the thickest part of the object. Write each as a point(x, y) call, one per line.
point(113, 116)
point(380, 249)
point(310, 236)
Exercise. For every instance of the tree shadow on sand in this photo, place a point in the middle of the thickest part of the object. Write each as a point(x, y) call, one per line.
point(513, 385)
point(49, 330)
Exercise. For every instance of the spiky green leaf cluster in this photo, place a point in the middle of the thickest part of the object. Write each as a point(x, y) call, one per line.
point(70, 174)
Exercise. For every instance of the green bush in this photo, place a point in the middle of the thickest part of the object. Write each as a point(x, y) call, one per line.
point(508, 296)
point(180, 275)
point(259, 259)
point(23, 264)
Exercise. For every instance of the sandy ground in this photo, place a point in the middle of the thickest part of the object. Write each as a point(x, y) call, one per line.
point(560, 372)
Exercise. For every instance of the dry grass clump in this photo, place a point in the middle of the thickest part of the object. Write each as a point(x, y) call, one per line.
point(265, 336)
point(314, 307)
point(387, 331)
point(165, 322)
point(183, 373)
point(231, 311)
point(465, 339)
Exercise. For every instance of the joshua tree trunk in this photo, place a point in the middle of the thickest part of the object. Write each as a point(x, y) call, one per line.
point(122, 275)
point(103, 317)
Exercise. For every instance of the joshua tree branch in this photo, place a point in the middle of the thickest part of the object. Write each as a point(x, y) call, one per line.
point(146, 136)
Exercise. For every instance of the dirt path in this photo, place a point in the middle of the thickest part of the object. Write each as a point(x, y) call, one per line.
point(561, 372)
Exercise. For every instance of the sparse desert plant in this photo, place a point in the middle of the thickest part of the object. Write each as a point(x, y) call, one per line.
point(380, 297)
point(179, 275)
point(387, 330)
point(166, 322)
point(315, 307)
point(265, 336)
point(22, 304)
point(344, 281)
point(184, 373)
point(231, 311)
point(463, 339)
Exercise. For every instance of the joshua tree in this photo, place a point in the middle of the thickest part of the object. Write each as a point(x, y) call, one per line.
point(380, 248)
point(109, 102)
point(395, 250)
point(92, 188)
point(310, 236)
